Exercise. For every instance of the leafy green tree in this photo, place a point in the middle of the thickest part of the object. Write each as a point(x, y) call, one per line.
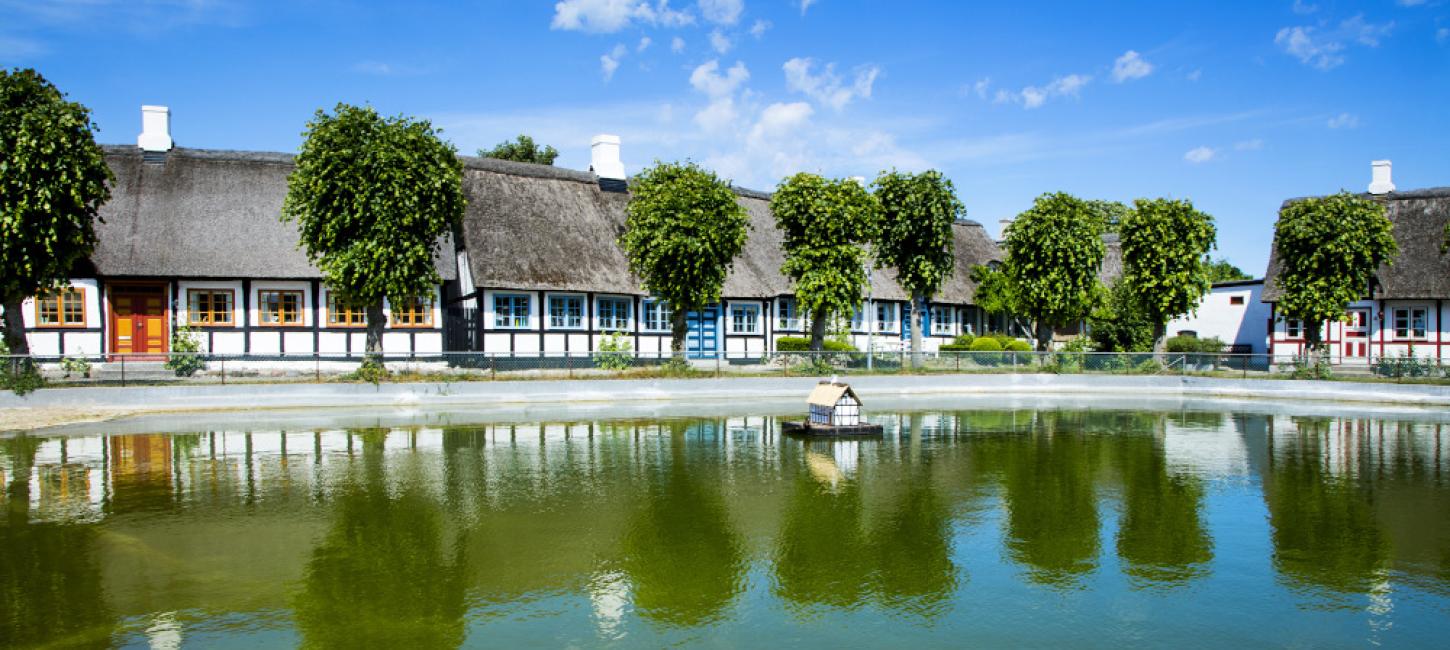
point(1054, 251)
point(683, 228)
point(522, 150)
point(1328, 248)
point(915, 238)
point(1221, 270)
point(1164, 244)
point(1118, 325)
point(371, 196)
point(53, 180)
point(1112, 213)
point(824, 225)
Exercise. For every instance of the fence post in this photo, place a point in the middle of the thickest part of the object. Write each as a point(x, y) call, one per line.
point(569, 364)
point(717, 365)
point(492, 368)
point(224, 371)
point(123, 371)
point(317, 367)
point(958, 356)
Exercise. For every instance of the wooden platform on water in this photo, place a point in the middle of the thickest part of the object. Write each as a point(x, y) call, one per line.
point(830, 430)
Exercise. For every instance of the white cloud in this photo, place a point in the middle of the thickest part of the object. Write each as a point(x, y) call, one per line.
point(16, 49)
point(1304, 8)
point(806, 4)
point(1130, 65)
point(718, 115)
point(759, 28)
point(1442, 35)
point(644, 44)
point(720, 42)
point(1343, 121)
point(707, 78)
point(608, 16)
point(677, 45)
point(1195, 75)
point(1035, 96)
point(1324, 49)
point(1249, 145)
point(781, 119)
point(1410, 3)
point(981, 87)
point(1200, 155)
point(608, 63)
point(827, 87)
point(722, 12)
point(382, 69)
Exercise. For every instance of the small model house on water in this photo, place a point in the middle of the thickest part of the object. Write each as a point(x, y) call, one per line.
point(834, 410)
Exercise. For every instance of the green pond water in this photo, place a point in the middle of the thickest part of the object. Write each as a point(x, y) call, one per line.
point(1042, 526)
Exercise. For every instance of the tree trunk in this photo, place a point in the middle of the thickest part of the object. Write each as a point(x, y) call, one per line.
point(15, 329)
point(1043, 331)
point(679, 329)
point(1160, 339)
point(1312, 341)
point(376, 321)
point(918, 306)
point(818, 330)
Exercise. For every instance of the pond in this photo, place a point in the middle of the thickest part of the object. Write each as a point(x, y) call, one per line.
point(1040, 526)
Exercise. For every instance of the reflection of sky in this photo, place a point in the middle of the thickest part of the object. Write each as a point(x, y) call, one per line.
point(1215, 452)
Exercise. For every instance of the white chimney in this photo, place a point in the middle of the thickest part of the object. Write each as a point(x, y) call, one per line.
point(1380, 179)
point(155, 129)
point(604, 157)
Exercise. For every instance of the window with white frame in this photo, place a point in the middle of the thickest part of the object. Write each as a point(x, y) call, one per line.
point(886, 317)
point(510, 310)
point(613, 314)
point(745, 319)
point(657, 315)
point(1293, 328)
point(943, 319)
point(789, 317)
point(566, 312)
point(1411, 322)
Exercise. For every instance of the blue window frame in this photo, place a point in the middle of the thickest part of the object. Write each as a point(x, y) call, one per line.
point(885, 317)
point(566, 312)
point(657, 315)
point(790, 319)
point(745, 319)
point(511, 310)
point(613, 314)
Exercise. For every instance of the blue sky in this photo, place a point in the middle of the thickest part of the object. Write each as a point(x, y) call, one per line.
point(1235, 105)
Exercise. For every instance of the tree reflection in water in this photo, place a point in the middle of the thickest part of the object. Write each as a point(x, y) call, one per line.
point(50, 581)
point(1324, 529)
point(683, 557)
point(381, 576)
point(1161, 537)
point(821, 553)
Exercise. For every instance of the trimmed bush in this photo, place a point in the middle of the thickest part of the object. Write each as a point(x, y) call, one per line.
point(1017, 345)
point(1193, 344)
point(985, 344)
point(803, 344)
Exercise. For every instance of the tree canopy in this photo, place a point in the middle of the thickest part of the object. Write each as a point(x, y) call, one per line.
point(1112, 213)
point(1164, 245)
point(1328, 249)
point(1221, 270)
point(53, 180)
point(1054, 251)
point(915, 238)
point(825, 225)
point(683, 230)
point(524, 150)
point(371, 196)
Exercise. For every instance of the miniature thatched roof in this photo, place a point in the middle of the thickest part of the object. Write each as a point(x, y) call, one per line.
point(539, 227)
point(204, 213)
point(828, 393)
point(1421, 270)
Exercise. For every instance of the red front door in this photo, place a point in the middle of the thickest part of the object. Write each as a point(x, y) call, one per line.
point(138, 319)
point(1356, 334)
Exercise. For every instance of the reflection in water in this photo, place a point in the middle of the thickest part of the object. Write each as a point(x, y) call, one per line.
point(684, 559)
point(668, 532)
point(381, 577)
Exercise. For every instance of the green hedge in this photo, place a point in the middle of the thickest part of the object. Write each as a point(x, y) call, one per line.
point(803, 344)
point(1193, 344)
point(985, 344)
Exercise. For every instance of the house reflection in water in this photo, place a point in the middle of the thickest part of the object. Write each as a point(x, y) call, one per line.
point(650, 526)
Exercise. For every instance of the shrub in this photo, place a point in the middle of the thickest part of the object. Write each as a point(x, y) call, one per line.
point(803, 344)
point(372, 371)
point(615, 352)
point(985, 344)
point(185, 359)
point(20, 375)
point(79, 366)
point(1017, 345)
point(1193, 344)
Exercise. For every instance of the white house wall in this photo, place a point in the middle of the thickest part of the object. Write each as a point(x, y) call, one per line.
point(1381, 339)
point(1244, 324)
point(71, 340)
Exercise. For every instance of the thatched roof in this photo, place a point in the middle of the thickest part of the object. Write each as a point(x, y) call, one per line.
point(539, 227)
point(1421, 270)
point(205, 213)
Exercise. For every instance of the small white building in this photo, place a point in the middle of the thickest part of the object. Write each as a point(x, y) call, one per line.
point(1233, 312)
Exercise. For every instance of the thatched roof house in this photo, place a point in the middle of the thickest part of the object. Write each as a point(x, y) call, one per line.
point(1421, 270)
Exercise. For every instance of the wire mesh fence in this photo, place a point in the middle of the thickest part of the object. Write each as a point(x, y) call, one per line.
point(201, 368)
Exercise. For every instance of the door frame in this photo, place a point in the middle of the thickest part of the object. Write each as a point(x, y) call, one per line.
point(110, 308)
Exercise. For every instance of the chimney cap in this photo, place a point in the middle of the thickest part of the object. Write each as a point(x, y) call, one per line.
point(155, 129)
point(1380, 178)
point(604, 157)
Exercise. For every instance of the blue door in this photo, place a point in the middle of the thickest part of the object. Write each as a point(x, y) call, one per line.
point(702, 341)
point(906, 322)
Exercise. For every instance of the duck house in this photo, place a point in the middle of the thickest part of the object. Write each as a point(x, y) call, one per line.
point(834, 410)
